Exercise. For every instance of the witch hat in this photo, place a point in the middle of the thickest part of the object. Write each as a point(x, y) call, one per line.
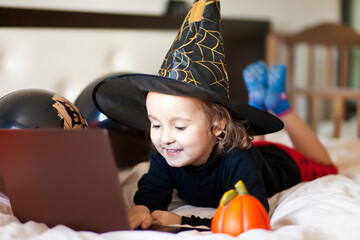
point(193, 67)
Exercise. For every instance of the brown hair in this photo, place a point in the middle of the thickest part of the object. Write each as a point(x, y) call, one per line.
point(236, 133)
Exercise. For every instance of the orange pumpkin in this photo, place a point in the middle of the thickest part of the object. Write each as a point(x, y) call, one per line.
point(238, 212)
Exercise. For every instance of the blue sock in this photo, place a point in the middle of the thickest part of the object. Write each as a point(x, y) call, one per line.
point(276, 99)
point(255, 77)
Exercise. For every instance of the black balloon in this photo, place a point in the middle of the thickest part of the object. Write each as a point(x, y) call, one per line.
point(130, 145)
point(36, 108)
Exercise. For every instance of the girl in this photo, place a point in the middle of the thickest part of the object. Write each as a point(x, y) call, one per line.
point(202, 152)
point(203, 139)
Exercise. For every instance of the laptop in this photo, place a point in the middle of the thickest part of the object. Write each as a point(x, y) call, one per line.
point(68, 177)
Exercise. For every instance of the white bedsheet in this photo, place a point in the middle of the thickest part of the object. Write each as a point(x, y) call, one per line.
point(326, 208)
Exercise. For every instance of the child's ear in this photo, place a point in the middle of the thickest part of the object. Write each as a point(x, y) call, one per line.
point(219, 127)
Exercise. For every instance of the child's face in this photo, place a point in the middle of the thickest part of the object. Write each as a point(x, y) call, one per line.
point(179, 129)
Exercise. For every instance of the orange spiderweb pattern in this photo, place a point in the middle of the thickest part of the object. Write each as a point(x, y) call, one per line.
point(197, 53)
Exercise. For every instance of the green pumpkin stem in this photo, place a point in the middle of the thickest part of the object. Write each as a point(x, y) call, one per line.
point(227, 197)
point(240, 188)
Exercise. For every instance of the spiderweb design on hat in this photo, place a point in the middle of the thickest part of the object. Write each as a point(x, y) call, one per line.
point(193, 67)
point(197, 53)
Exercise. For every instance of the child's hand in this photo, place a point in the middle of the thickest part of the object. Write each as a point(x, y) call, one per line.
point(139, 216)
point(165, 218)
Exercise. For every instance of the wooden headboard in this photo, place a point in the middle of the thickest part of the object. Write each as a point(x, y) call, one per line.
point(244, 41)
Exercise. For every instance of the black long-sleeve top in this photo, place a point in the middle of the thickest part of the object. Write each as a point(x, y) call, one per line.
point(204, 185)
point(201, 185)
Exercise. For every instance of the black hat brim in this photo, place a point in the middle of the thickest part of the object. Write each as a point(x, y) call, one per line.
point(122, 99)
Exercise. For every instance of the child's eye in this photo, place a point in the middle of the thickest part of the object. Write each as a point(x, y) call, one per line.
point(180, 128)
point(155, 126)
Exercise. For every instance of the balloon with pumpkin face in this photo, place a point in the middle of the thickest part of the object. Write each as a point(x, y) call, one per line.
point(38, 108)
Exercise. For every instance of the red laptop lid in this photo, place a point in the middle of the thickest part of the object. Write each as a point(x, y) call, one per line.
point(68, 177)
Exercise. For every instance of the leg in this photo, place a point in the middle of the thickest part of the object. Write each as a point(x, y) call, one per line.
point(304, 139)
point(255, 77)
point(276, 98)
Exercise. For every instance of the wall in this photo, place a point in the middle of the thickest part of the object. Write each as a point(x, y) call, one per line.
point(285, 15)
point(67, 60)
point(40, 54)
point(151, 7)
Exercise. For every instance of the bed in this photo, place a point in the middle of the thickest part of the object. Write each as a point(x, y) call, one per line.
point(326, 208)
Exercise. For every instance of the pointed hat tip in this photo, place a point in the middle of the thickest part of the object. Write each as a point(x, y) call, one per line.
point(197, 10)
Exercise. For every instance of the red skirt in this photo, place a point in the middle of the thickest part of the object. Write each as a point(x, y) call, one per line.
point(308, 168)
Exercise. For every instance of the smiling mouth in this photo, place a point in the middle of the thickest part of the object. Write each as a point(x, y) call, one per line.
point(173, 152)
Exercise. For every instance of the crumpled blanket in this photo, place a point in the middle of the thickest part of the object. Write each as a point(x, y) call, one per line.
point(323, 209)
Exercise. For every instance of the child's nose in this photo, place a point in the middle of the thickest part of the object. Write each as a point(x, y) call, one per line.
point(167, 137)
